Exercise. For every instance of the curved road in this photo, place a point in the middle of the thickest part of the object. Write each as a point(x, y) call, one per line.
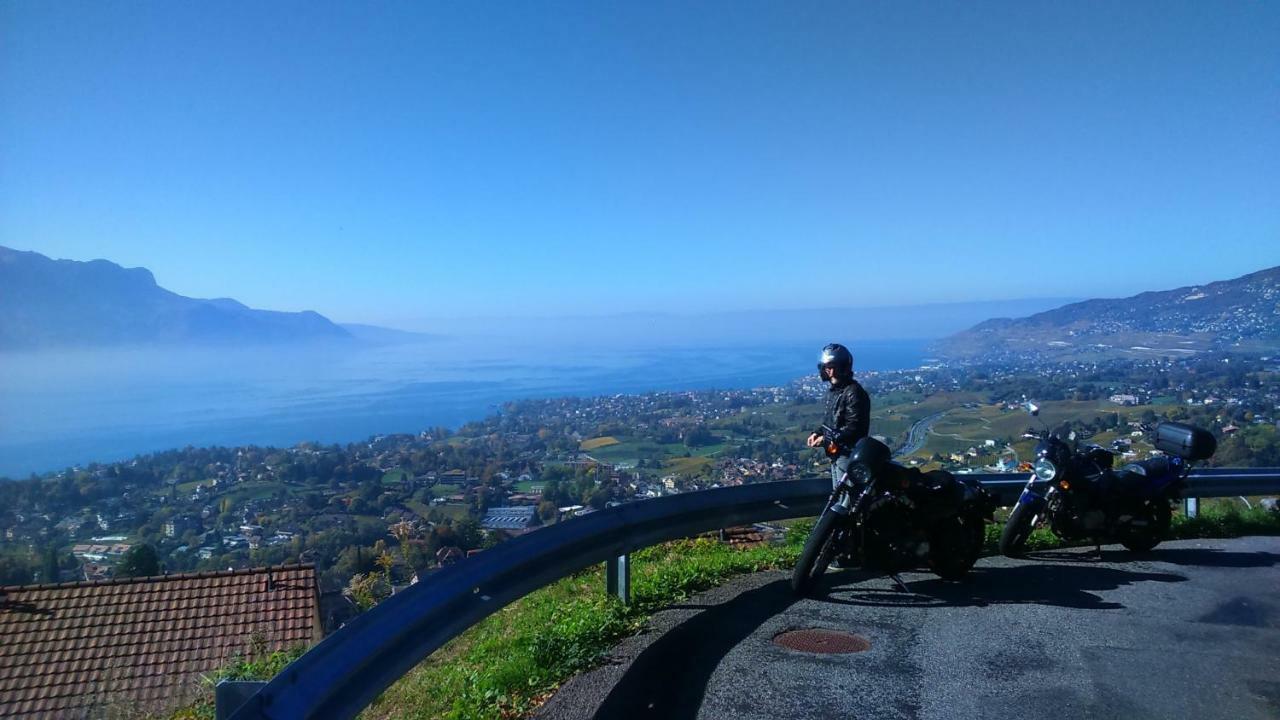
point(1190, 630)
point(918, 433)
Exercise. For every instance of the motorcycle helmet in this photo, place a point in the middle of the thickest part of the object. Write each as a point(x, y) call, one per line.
point(837, 357)
point(870, 453)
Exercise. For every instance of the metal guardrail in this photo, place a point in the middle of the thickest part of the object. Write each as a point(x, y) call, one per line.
point(347, 670)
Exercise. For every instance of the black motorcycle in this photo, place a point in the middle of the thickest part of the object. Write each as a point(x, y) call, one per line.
point(890, 518)
point(1075, 488)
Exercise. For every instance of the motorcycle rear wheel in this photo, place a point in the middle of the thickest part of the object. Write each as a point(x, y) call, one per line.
point(952, 550)
point(1145, 539)
point(818, 551)
point(1013, 538)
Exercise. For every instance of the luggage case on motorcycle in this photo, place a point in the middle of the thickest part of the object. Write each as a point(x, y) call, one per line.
point(1186, 441)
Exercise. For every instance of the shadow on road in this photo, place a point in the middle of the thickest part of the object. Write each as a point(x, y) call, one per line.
point(669, 678)
point(1211, 557)
point(1200, 557)
point(1062, 585)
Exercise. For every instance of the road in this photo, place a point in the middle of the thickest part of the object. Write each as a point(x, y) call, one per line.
point(918, 433)
point(1190, 630)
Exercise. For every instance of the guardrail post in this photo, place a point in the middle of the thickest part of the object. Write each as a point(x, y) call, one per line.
point(617, 573)
point(229, 695)
point(1191, 507)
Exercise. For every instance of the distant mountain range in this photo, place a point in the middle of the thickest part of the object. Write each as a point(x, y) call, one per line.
point(1243, 313)
point(47, 303)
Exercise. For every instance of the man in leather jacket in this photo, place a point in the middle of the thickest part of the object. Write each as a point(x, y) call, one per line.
point(848, 407)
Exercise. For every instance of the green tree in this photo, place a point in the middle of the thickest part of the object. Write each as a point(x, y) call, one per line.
point(140, 561)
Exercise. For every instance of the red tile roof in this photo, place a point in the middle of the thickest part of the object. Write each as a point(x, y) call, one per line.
point(79, 649)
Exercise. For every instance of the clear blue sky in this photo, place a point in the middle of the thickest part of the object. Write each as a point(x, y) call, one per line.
point(395, 162)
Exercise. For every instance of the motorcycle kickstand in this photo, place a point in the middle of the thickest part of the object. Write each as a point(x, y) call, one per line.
point(897, 580)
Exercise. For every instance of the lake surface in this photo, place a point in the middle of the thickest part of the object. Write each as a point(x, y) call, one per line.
point(60, 409)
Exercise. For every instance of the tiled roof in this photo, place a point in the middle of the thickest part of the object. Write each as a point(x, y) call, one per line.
point(80, 649)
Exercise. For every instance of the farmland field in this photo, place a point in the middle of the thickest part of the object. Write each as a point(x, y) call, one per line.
point(597, 443)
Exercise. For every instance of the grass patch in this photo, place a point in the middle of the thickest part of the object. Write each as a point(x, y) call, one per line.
point(392, 477)
point(191, 485)
point(597, 443)
point(688, 465)
point(507, 664)
point(263, 666)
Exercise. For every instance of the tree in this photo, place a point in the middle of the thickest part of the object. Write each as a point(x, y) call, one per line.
point(140, 561)
point(50, 572)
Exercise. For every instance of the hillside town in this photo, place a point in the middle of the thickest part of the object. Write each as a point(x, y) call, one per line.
point(439, 494)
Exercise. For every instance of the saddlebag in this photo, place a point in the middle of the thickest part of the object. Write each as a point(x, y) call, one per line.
point(1186, 441)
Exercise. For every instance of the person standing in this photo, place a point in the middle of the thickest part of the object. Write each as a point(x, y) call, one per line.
point(848, 407)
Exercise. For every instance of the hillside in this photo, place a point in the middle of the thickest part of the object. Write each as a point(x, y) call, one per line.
point(48, 303)
point(1242, 313)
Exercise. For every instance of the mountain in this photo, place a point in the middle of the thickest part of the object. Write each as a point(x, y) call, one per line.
point(1243, 313)
point(47, 303)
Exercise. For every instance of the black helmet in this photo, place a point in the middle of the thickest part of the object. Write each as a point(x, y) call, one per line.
point(871, 453)
point(838, 357)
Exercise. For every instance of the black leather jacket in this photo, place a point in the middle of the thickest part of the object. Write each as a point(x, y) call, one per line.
point(848, 413)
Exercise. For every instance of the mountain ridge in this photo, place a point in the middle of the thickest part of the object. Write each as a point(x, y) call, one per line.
point(54, 303)
point(1240, 312)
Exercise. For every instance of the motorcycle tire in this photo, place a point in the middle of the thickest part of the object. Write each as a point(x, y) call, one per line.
point(818, 551)
point(951, 549)
point(1147, 538)
point(1017, 529)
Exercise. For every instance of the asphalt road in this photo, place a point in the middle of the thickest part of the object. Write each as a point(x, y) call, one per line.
point(918, 434)
point(1190, 630)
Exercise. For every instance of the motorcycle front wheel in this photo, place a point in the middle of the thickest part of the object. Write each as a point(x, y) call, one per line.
point(1013, 538)
point(818, 551)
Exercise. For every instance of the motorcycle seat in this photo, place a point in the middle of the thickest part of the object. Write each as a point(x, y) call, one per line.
point(1153, 468)
point(936, 490)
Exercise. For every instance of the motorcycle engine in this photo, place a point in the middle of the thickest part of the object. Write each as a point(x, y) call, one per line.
point(891, 540)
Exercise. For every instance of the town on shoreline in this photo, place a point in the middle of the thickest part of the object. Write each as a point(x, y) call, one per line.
point(397, 506)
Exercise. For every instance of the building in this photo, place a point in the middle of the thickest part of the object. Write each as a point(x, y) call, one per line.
point(140, 645)
point(517, 518)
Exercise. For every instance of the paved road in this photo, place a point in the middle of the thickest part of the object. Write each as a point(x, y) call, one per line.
point(918, 434)
point(1191, 630)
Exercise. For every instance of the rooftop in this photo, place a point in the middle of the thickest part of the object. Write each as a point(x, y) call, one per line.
point(81, 648)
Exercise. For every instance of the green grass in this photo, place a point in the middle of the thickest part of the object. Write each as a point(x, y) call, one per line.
point(190, 485)
point(392, 477)
point(262, 666)
point(252, 490)
point(507, 664)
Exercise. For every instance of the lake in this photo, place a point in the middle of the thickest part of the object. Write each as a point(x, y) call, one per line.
point(60, 409)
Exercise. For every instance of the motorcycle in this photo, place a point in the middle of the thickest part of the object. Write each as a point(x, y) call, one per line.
point(1079, 493)
point(891, 518)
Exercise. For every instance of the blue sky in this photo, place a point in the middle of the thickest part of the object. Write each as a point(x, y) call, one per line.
point(400, 162)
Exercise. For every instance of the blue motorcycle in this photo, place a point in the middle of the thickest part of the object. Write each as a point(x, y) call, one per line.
point(1076, 490)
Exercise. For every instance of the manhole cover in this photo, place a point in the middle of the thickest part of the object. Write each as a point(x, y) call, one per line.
point(818, 640)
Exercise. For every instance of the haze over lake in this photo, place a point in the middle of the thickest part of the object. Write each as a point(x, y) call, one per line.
point(58, 409)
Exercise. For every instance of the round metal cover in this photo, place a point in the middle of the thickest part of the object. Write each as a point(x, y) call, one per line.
point(820, 640)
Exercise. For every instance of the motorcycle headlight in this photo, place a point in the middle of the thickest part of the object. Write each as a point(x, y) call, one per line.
point(1045, 469)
